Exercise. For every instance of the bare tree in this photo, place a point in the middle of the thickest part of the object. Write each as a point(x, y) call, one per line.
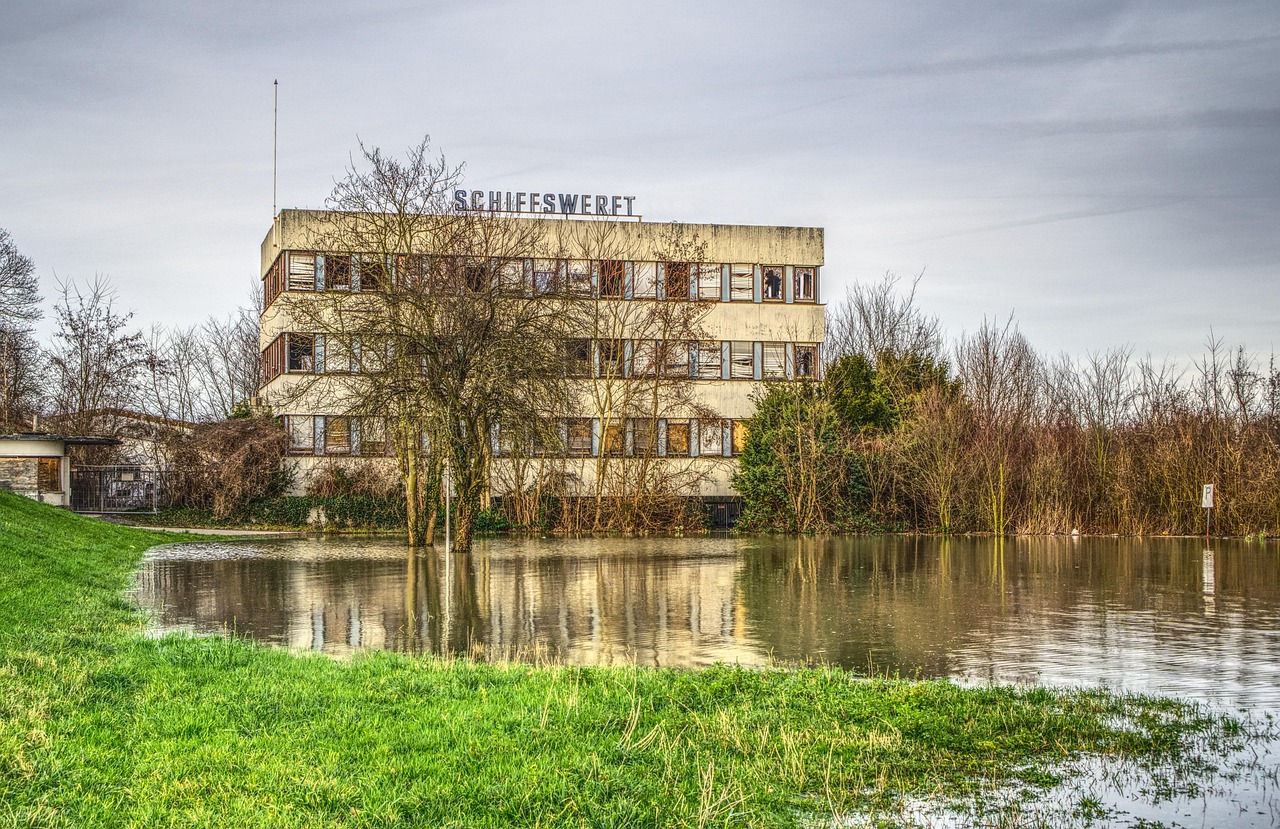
point(95, 356)
point(19, 353)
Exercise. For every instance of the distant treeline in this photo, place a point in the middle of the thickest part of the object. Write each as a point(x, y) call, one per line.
point(990, 436)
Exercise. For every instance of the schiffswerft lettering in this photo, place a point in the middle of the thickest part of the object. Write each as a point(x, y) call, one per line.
point(585, 204)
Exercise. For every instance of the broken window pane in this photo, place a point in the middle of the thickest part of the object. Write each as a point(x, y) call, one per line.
point(804, 282)
point(676, 280)
point(742, 360)
point(775, 361)
point(710, 437)
point(578, 357)
point(373, 273)
point(302, 435)
point(806, 361)
point(771, 282)
point(301, 351)
point(579, 276)
point(337, 272)
point(742, 283)
point(546, 276)
point(612, 358)
point(612, 281)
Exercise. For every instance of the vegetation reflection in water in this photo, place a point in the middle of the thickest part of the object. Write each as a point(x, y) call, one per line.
point(1160, 615)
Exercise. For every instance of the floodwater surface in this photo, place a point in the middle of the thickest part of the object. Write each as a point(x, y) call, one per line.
point(1163, 616)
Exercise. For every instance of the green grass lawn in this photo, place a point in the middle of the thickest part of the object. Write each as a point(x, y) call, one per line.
point(102, 726)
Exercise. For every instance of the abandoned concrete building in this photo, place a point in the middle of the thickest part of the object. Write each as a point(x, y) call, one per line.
point(761, 319)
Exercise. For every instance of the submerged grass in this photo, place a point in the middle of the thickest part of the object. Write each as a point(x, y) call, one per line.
point(102, 726)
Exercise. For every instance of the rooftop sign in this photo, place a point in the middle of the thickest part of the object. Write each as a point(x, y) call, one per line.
point(569, 204)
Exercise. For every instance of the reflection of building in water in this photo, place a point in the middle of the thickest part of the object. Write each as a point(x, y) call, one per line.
point(678, 611)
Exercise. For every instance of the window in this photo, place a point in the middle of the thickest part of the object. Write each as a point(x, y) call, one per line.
point(511, 276)
point(644, 437)
point(677, 438)
point(411, 270)
point(49, 474)
point(373, 436)
point(579, 443)
point(373, 273)
point(676, 280)
point(644, 358)
point(739, 432)
point(302, 435)
point(675, 358)
point(644, 277)
point(578, 357)
point(612, 279)
point(301, 353)
point(710, 437)
point(337, 273)
point(546, 276)
point(742, 360)
point(337, 435)
point(579, 277)
point(771, 282)
point(302, 272)
point(545, 437)
point(708, 278)
point(742, 283)
point(613, 438)
point(775, 361)
point(709, 359)
point(475, 276)
point(613, 358)
point(806, 361)
point(804, 284)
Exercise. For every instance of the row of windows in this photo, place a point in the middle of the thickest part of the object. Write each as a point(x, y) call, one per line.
point(296, 353)
point(607, 279)
point(565, 437)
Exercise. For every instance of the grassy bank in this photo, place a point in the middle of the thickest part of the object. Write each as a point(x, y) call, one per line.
point(102, 726)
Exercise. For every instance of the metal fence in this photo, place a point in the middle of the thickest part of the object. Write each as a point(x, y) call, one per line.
point(115, 489)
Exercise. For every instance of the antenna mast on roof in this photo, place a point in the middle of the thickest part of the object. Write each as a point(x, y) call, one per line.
point(275, 129)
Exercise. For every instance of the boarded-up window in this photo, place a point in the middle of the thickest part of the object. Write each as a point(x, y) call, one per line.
point(806, 361)
point(742, 360)
point(775, 361)
point(677, 438)
point(337, 435)
point(708, 277)
point(675, 276)
point(804, 284)
point(302, 435)
point(742, 283)
point(644, 437)
point(614, 437)
point(771, 282)
point(739, 436)
point(579, 443)
point(644, 277)
point(710, 437)
point(302, 272)
point(49, 474)
point(612, 279)
point(709, 359)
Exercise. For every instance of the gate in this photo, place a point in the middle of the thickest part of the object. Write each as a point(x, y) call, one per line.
point(100, 489)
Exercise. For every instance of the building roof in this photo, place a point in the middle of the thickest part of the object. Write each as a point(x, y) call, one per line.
point(78, 440)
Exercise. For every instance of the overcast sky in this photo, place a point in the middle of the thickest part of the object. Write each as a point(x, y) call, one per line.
point(1107, 171)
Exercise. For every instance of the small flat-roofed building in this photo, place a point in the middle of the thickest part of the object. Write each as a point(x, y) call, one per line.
point(35, 464)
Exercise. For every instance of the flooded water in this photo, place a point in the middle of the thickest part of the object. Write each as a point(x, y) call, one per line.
point(1165, 616)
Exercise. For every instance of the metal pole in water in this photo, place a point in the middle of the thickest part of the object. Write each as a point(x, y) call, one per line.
point(447, 507)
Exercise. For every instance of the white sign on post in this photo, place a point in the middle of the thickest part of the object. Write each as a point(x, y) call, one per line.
point(1206, 497)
